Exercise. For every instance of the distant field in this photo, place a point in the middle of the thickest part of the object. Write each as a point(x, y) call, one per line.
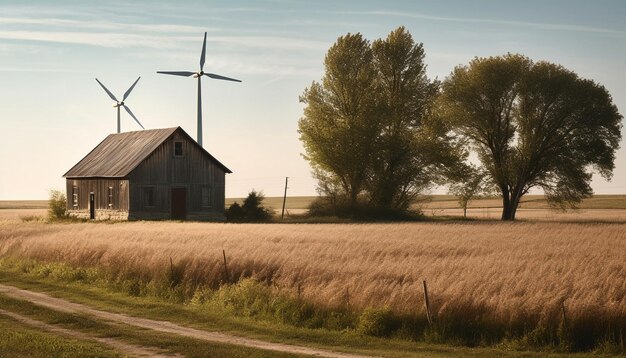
point(450, 202)
point(533, 207)
point(23, 204)
point(427, 202)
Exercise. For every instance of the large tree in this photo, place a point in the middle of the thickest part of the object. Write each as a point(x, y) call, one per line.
point(339, 128)
point(533, 125)
point(409, 154)
point(365, 128)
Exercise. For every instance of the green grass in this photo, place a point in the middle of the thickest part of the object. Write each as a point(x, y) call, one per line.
point(173, 344)
point(20, 340)
point(100, 297)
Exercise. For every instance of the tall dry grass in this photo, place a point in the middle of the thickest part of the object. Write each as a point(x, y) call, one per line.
point(500, 276)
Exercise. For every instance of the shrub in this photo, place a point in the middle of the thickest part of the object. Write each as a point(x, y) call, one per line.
point(57, 205)
point(235, 213)
point(376, 322)
point(252, 209)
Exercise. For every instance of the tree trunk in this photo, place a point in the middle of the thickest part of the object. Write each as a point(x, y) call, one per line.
point(510, 204)
point(506, 205)
point(353, 200)
point(465, 211)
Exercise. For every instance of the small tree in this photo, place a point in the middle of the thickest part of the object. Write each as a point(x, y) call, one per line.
point(473, 186)
point(57, 204)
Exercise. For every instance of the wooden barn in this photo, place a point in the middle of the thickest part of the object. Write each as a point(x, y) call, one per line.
point(157, 174)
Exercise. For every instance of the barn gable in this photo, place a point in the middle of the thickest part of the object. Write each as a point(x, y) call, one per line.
point(119, 154)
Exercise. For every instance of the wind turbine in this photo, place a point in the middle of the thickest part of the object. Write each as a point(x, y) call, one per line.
point(199, 75)
point(119, 104)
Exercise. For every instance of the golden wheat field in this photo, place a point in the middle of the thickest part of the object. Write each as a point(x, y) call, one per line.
point(506, 270)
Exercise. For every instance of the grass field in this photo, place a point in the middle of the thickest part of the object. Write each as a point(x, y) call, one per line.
point(487, 280)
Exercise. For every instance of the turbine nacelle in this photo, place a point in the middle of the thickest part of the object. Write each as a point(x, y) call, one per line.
point(198, 75)
point(119, 104)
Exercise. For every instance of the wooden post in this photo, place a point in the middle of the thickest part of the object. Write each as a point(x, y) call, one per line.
point(427, 302)
point(226, 275)
point(282, 214)
point(564, 316)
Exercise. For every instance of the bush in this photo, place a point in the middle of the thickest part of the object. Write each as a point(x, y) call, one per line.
point(252, 209)
point(57, 205)
point(376, 322)
point(324, 206)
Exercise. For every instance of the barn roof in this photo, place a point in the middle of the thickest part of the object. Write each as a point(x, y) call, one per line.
point(119, 154)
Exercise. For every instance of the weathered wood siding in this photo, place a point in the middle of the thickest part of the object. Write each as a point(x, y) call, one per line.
point(100, 188)
point(163, 171)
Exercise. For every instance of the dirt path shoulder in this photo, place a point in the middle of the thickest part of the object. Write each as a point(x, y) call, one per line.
point(61, 305)
point(130, 349)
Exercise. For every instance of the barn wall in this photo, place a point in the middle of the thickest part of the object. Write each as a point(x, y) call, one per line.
point(119, 207)
point(163, 171)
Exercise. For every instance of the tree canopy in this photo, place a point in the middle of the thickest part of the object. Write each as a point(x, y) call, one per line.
point(366, 129)
point(533, 124)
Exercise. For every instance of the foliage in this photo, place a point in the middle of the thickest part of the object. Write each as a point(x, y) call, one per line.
point(339, 127)
point(473, 185)
point(252, 209)
point(365, 128)
point(376, 322)
point(533, 124)
point(57, 204)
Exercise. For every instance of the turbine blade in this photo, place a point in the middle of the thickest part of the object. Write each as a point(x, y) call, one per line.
point(130, 89)
point(177, 73)
point(132, 115)
point(218, 77)
point(107, 91)
point(203, 55)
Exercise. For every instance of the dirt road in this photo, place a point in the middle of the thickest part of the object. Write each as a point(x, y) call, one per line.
point(130, 349)
point(61, 305)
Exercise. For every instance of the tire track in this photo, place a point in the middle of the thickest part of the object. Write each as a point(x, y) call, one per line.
point(130, 349)
point(62, 305)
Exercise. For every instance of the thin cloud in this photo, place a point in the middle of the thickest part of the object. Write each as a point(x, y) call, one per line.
point(124, 40)
point(535, 25)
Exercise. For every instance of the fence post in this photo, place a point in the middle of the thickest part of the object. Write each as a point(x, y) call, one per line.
point(427, 302)
point(564, 316)
point(226, 275)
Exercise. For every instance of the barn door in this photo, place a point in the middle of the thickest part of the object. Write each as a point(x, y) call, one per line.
point(179, 203)
point(92, 206)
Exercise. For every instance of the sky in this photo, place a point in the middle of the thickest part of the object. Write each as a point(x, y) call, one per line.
point(53, 112)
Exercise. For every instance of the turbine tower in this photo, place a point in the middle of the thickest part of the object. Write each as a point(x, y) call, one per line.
point(119, 104)
point(199, 75)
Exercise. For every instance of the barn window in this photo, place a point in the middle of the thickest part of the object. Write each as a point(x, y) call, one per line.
point(148, 196)
point(110, 197)
point(75, 196)
point(178, 149)
point(205, 197)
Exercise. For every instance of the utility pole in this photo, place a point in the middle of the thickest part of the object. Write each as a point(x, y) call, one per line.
point(282, 215)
